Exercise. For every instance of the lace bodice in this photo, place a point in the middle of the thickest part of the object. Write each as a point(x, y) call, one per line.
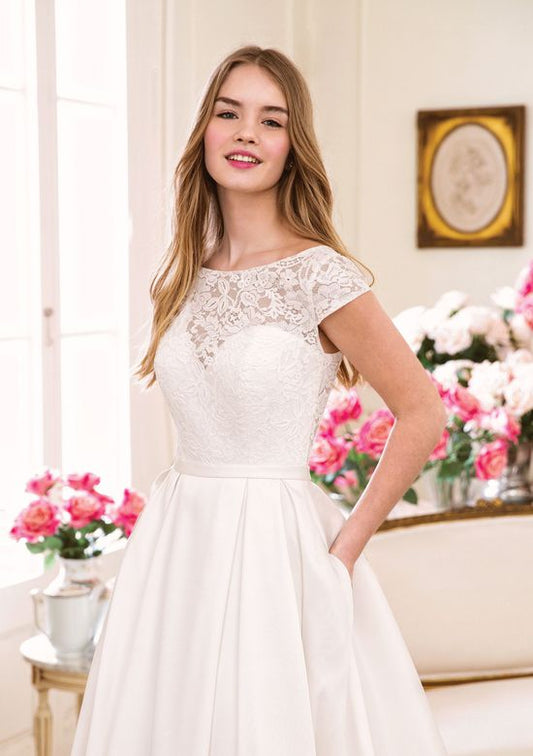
point(242, 367)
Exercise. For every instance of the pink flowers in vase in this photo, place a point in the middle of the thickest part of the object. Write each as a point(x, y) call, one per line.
point(343, 457)
point(69, 516)
point(476, 440)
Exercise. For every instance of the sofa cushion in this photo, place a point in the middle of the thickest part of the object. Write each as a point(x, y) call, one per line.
point(461, 591)
point(489, 718)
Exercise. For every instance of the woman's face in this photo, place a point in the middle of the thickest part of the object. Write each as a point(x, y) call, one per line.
point(255, 121)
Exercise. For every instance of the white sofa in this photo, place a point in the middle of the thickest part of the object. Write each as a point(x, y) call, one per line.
point(460, 584)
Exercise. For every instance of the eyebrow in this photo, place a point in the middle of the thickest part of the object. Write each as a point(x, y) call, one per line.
point(265, 108)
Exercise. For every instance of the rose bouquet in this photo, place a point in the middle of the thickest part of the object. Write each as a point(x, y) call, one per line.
point(70, 517)
point(344, 456)
point(454, 329)
point(478, 437)
point(474, 443)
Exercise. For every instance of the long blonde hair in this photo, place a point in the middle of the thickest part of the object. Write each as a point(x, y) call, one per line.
point(304, 198)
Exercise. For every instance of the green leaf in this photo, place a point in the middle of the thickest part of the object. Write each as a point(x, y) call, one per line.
point(449, 469)
point(53, 542)
point(35, 548)
point(411, 496)
point(49, 560)
point(91, 526)
point(109, 527)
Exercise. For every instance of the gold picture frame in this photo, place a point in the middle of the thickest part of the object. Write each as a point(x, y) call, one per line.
point(470, 177)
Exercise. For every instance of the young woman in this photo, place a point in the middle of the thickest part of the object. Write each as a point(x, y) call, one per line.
point(245, 619)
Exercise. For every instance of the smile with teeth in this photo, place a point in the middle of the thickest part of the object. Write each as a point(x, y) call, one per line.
point(243, 158)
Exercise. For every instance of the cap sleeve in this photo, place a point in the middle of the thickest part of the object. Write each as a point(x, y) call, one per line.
point(335, 281)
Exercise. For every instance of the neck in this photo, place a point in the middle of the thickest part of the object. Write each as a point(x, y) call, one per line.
point(252, 224)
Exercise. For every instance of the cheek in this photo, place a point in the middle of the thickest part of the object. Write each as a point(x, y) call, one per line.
point(213, 138)
point(279, 148)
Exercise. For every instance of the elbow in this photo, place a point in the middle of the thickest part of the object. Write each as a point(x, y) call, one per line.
point(431, 414)
point(437, 410)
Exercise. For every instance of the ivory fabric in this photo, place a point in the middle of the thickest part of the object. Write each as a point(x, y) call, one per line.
point(231, 630)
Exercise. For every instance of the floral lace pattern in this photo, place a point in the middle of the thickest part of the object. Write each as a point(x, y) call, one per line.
point(242, 366)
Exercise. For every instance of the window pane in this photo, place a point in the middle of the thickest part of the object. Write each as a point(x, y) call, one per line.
point(14, 203)
point(92, 405)
point(12, 43)
point(88, 36)
point(20, 433)
point(89, 243)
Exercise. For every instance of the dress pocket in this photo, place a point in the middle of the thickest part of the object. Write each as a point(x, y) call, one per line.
point(346, 584)
point(341, 566)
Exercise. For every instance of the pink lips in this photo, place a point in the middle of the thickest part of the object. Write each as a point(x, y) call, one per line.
point(242, 164)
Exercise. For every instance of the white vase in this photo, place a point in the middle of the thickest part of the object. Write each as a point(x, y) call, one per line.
point(71, 608)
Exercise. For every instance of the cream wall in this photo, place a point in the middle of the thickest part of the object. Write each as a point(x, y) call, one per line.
point(432, 54)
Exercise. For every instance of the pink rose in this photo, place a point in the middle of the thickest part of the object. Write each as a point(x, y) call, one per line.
point(502, 423)
point(328, 454)
point(102, 498)
point(326, 426)
point(127, 513)
point(348, 479)
point(439, 452)
point(374, 433)
point(525, 308)
point(41, 484)
point(83, 509)
point(492, 459)
point(344, 405)
point(463, 403)
point(83, 482)
point(526, 280)
point(39, 518)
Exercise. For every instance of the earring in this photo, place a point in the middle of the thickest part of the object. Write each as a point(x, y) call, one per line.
point(289, 165)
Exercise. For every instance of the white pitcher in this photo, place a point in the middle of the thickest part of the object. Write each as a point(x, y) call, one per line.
point(72, 616)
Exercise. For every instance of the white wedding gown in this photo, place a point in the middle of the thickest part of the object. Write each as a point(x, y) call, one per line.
point(231, 630)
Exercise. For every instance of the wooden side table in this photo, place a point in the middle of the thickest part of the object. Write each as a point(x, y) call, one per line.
point(47, 671)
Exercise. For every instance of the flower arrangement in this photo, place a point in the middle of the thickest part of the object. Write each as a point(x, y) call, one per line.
point(70, 517)
point(344, 456)
point(480, 359)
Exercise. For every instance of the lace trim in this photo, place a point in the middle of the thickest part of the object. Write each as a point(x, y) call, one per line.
point(295, 293)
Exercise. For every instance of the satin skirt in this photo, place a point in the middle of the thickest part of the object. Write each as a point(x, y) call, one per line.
point(232, 631)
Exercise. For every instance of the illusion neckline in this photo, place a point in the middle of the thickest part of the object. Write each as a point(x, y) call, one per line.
point(264, 265)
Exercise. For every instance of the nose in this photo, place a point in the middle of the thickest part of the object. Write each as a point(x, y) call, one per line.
point(245, 133)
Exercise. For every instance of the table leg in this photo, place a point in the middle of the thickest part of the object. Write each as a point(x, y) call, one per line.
point(42, 725)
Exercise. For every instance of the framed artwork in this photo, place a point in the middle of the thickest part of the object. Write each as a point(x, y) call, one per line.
point(470, 177)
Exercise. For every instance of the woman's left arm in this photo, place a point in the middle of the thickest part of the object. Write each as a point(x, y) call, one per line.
point(366, 335)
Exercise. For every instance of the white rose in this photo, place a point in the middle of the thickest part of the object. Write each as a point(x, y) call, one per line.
point(488, 382)
point(451, 337)
point(498, 332)
point(505, 297)
point(477, 319)
point(451, 300)
point(519, 357)
point(518, 394)
point(432, 319)
point(521, 330)
point(446, 374)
